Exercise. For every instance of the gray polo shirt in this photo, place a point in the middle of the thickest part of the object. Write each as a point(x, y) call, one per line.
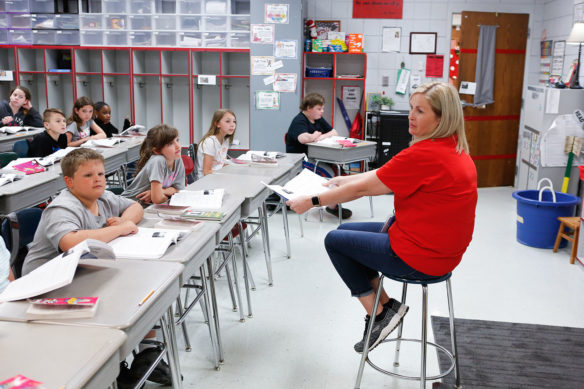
point(67, 214)
point(156, 169)
point(84, 133)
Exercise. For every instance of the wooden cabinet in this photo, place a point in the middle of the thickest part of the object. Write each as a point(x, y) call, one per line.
point(327, 73)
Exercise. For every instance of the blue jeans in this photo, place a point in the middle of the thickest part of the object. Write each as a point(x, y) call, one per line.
point(359, 251)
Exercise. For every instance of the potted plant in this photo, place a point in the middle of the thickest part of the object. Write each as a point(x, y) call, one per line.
point(384, 102)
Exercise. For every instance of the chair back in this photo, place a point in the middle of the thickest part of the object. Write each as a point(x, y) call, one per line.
point(21, 148)
point(17, 230)
point(6, 158)
point(192, 152)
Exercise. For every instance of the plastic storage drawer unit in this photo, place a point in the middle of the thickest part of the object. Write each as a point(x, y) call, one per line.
point(165, 38)
point(67, 37)
point(116, 38)
point(90, 22)
point(43, 37)
point(44, 6)
point(20, 37)
point(91, 38)
point(44, 21)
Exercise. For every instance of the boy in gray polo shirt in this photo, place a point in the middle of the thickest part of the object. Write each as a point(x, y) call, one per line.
point(84, 211)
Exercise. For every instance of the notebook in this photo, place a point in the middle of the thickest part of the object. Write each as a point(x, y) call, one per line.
point(147, 243)
point(29, 167)
point(62, 308)
point(203, 215)
point(109, 142)
point(166, 209)
point(199, 200)
point(307, 183)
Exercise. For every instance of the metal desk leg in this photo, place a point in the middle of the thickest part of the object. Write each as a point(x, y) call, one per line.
point(286, 229)
point(208, 314)
point(266, 241)
point(172, 353)
point(215, 310)
point(340, 205)
point(301, 226)
point(366, 168)
point(245, 269)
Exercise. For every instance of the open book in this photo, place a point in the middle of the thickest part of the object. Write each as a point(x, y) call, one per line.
point(339, 142)
point(147, 243)
point(55, 157)
point(133, 130)
point(200, 200)
point(56, 273)
point(306, 183)
point(109, 142)
point(15, 129)
point(62, 308)
point(203, 215)
point(7, 178)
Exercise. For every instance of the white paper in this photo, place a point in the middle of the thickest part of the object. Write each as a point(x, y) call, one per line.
point(267, 100)
point(147, 243)
point(306, 183)
point(6, 75)
point(109, 142)
point(262, 33)
point(552, 104)
point(206, 79)
point(467, 88)
point(285, 82)
point(285, 49)
point(391, 39)
point(402, 81)
point(262, 65)
point(199, 200)
point(415, 82)
point(351, 97)
point(276, 13)
point(269, 80)
point(277, 65)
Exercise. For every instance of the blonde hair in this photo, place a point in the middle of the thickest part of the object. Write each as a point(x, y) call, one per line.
point(71, 162)
point(157, 137)
point(445, 103)
point(214, 130)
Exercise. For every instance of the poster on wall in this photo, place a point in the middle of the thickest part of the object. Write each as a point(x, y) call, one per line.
point(262, 33)
point(262, 65)
point(434, 66)
point(351, 96)
point(285, 49)
point(558, 58)
point(381, 9)
point(391, 39)
point(276, 13)
point(285, 82)
point(266, 99)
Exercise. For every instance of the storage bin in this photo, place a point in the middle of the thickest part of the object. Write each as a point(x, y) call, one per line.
point(189, 22)
point(218, 7)
point(114, 22)
point(20, 21)
point(142, 7)
point(113, 6)
point(238, 39)
point(4, 37)
point(189, 7)
point(240, 23)
point(164, 38)
point(16, 6)
point(164, 22)
point(43, 37)
point(214, 39)
point(67, 21)
point(90, 21)
point(115, 38)
point(67, 37)
point(42, 6)
point(140, 38)
point(319, 72)
point(140, 22)
point(4, 21)
point(190, 39)
point(43, 21)
point(20, 37)
point(91, 37)
point(214, 23)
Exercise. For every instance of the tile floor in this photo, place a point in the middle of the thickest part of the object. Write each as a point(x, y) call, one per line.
point(304, 327)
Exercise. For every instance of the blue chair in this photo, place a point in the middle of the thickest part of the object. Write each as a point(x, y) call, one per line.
point(17, 230)
point(21, 148)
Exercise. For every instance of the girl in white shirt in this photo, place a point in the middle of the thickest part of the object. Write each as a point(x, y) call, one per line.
point(80, 123)
point(212, 149)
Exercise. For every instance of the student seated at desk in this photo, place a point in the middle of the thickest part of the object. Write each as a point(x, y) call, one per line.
point(307, 127)
point(161, 172)
point(102, 115)
point(54, 138)
point(18, 111)
point(212, 149)
point(80, 125)
point(84, 211)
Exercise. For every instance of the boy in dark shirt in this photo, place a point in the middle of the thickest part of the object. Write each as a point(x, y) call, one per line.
point(53, 138)
point(103, 117)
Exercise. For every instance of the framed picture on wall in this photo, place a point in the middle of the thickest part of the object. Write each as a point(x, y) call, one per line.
point(323, 27)
point(423, 42)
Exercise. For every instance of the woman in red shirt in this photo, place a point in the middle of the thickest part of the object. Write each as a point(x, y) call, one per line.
point(435, 193)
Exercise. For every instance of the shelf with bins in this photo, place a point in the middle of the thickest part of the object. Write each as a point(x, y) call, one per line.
point(151, 85)
point(327, 73)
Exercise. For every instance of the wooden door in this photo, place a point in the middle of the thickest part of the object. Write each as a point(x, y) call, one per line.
point(492, 131)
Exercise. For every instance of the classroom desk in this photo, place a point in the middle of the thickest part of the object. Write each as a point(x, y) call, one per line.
point(88, 357)
point(121, 285)
point(7, 140)
point(133, 145)
point(30, 191)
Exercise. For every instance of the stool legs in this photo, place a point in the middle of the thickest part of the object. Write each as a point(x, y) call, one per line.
point(400, 328)
point(453, 334)
point(559, 237)
point(424, 335)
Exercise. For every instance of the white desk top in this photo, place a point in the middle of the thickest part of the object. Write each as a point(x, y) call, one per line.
point(7, 140)
point(60, 356)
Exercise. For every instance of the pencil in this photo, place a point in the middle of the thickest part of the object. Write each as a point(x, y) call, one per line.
point(146, 298)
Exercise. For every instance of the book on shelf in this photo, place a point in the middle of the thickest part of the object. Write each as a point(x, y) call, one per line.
point(7, 178)
point(62, 308)
point(203, 215)
point(306, 183)
point(15, 129)
point(166, 209)
point(56, 273)
point(109, 142)
point(200, 200)
point(147, 243)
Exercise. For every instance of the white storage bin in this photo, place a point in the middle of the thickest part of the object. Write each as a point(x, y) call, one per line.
point(43, 37)
point(189, 22)
point(20, 37)
point(113, 6)
point(190, 39)
point(189, 6)
point(214, 23)
point(4, 37)
point(4, 21)
point(115, 22)
point(217, 7)
point(214, 39)
point(141, 7)
point(240, 23)
point(116, 38)
point(67, 37)
point(20, 21)
point(140, 38)
point(44, 6)
point(164, 22)
point(165, 38)
point(43, 21)
point(239, 40)
point(140, 22)
point(91, 21)
point(67, 21)
point(91, 37)
point(16, 5)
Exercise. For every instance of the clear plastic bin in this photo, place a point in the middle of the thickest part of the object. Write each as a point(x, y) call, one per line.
point(4, 39)
point(90, 21)
point(16, 6)
point(116, 38)
point(115, 22)
point(239, 40)
point(20, 37)
point(91, 37)
point(240, 7)
point(20, 21)
point(140, 38)
point(240, 23)
point(43, 37)
point(216, 7)
point(113, 6)
point(165, 38)
point(215, 23)
point(190, 39)
point(189, 22)
point(42, 6)
point(214, 39)
point(164, 22)
point(140, 22)
point(142, 7)
point(4, 21)
point(189, 7)
point(67, 37)
point(68, 21)
point(43, 21)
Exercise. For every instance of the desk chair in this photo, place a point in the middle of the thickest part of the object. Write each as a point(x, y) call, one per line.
point(17, 230)
point(6, 158)
point(573, 224)
point(189, 169)
point(21, 148)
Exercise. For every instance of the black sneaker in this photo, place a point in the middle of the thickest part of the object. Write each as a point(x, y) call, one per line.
point(393, 313)
point(126, 380)
point(335, 211)
point(142, 362)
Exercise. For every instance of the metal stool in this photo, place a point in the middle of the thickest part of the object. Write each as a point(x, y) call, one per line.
point(424, 342)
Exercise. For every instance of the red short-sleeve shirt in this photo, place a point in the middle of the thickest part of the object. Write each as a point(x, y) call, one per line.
point(435, 191)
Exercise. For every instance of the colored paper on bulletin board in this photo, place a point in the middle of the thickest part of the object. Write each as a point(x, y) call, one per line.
point(434, 66)
point(381, 9)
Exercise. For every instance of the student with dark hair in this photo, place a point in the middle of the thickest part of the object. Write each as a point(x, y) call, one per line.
point(18, 111)
point(80, 124)
point(102, 116)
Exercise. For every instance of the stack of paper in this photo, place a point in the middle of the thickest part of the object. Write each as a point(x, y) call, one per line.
point(306, 183)
point(147, 243)
point(15, 129)
point(109, 142)
point(200, 200)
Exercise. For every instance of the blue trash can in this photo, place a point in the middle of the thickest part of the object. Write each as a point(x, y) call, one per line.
point(537, 221)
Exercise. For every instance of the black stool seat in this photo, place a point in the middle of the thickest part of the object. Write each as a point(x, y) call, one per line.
point(426, 281)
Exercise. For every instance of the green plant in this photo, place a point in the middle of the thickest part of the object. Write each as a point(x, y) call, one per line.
point(383, 100)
